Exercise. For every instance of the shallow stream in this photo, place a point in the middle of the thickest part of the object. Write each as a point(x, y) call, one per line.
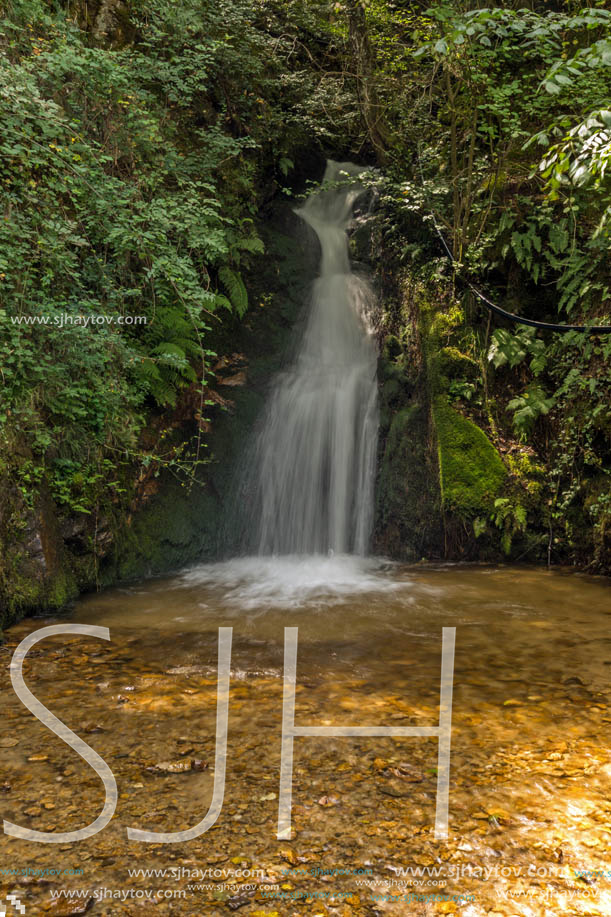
point(530, 781)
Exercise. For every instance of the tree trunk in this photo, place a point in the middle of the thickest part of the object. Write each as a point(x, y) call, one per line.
point(364, 59)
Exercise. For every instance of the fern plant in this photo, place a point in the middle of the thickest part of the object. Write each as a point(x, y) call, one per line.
point(510, 350)
point(528, 407)
point(234, 285)
point(510, 519)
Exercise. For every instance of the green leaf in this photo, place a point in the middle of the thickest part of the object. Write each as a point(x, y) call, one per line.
point(252, 244)
point(233, 283)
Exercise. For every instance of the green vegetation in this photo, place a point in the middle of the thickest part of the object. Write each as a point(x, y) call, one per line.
point(143, 146)
point(471, 470)
point(136, 148)
point(498, 134)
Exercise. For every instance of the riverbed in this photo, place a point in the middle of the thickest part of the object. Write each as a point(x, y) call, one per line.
point(530, 774)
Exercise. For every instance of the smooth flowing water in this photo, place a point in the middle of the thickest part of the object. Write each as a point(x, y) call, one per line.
point(310, 476)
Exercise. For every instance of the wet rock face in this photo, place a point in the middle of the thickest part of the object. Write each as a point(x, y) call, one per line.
point(409, 519)
point(34, 570)
point(439, 470)
point(33, 546)
point(408, 500)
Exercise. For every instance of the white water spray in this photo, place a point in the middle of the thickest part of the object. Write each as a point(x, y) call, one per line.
point(312, 478)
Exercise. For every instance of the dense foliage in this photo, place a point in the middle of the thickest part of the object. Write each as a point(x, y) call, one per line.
point(139, 140)
point(135, 150)
point(499, 131)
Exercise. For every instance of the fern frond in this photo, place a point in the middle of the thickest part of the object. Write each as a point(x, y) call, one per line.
point(233, 283)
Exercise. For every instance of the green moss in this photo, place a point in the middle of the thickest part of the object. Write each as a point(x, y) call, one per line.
point(443, 324)
point(19, 594)
point(173, 529)
point(450, 363)
point(528, 473)
point(392, 348)
point(181, 525)
point(22, 593)
point(438, 469)
point(471, 471)
point(60, 591)
point(29, 584)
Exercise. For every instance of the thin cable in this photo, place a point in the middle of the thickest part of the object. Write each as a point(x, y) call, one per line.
point(591, 329)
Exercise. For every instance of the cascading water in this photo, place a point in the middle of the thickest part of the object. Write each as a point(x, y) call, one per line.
point(311, 480)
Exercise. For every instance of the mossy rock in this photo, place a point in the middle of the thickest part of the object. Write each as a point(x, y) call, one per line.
point(360, 243)
point(529, 473)
point(449, 365)
point(453, 364)
point(471, 471)
point(60, 591)
point(35, 572)
point(444, 323)
point(408, 520)
point(392, 348)
point(394, 394)
point(25, 591)
point(396, 384)
point(178, 526)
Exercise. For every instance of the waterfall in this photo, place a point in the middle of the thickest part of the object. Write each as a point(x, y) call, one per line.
point(311, 475)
